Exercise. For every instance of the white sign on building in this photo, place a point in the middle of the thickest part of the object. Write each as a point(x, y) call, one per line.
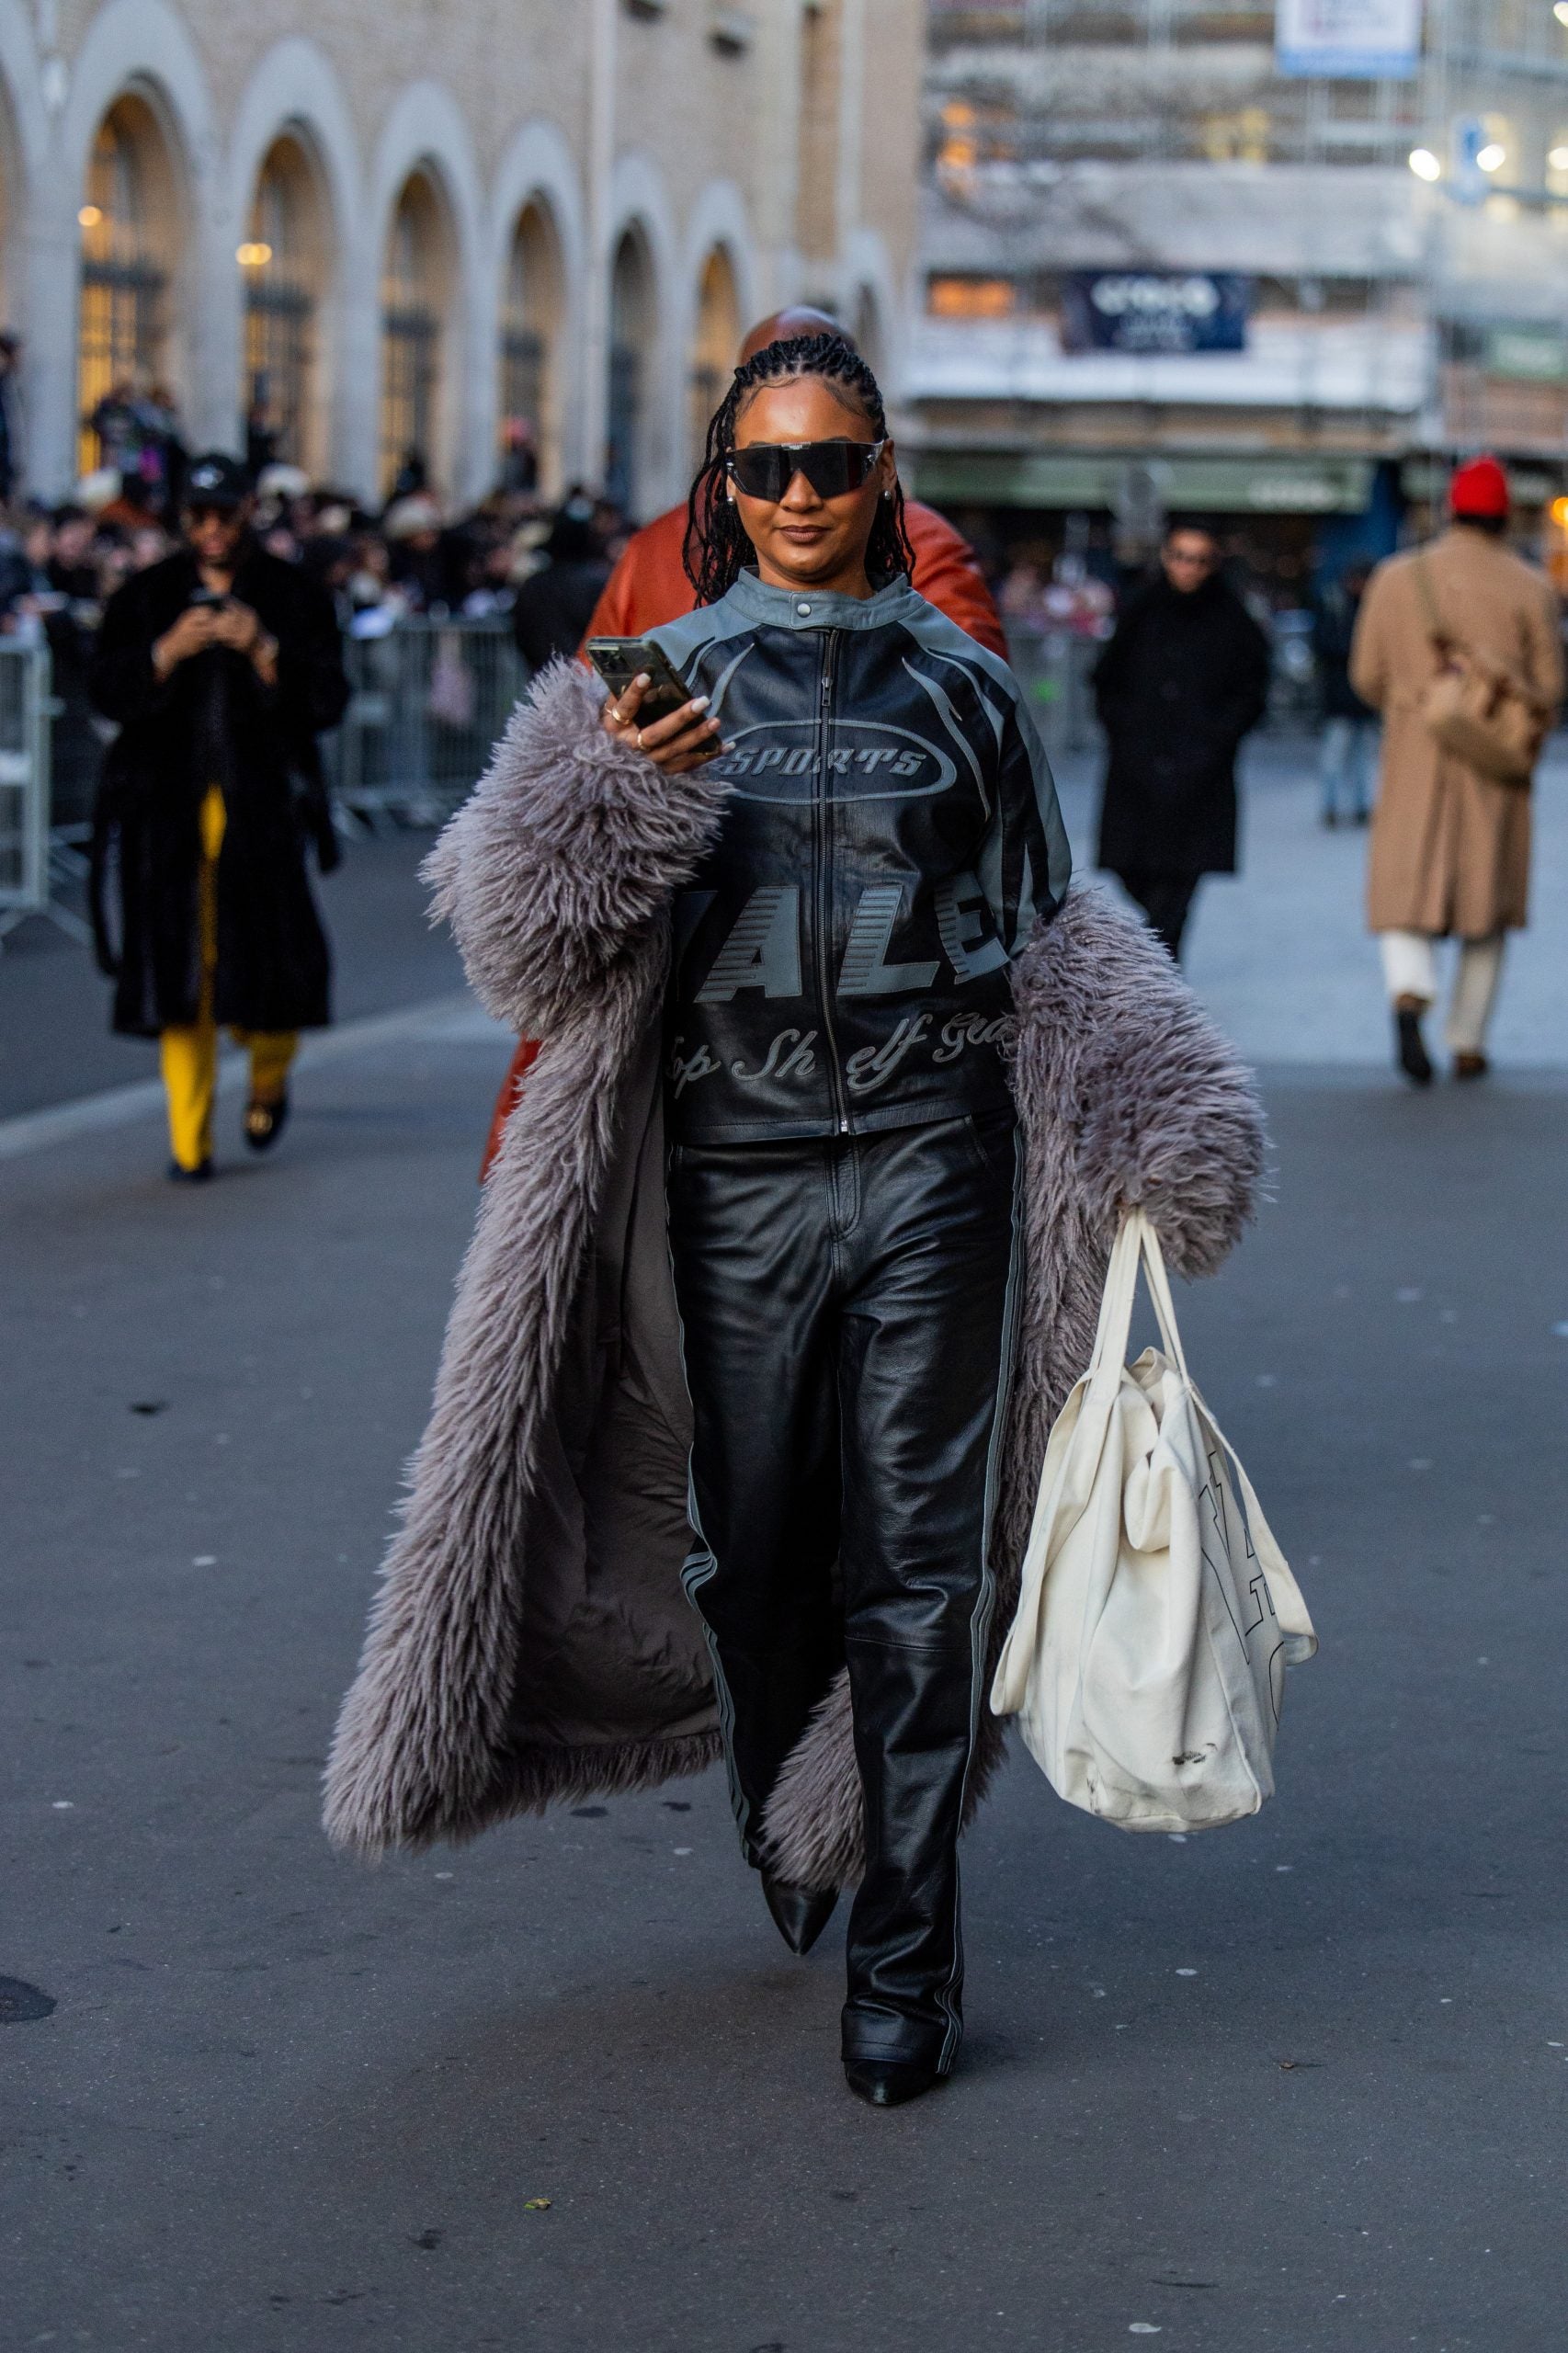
point(1367, 40)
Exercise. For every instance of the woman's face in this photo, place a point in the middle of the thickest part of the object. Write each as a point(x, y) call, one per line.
point(804, 541)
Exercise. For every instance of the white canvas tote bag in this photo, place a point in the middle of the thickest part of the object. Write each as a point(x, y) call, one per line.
point(1147, 1663)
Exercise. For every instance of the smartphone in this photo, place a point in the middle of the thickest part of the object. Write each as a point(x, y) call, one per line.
point(206, 599)
point(619, 660)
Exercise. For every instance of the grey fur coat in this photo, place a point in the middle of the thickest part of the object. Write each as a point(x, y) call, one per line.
point(531, 1641)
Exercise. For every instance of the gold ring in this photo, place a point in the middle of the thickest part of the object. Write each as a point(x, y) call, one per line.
point(639, 739)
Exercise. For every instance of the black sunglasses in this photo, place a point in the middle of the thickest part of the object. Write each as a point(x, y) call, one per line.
point(766, 469)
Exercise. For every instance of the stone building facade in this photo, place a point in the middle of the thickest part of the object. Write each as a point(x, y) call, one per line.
point(1403, 244)
point(384, 224)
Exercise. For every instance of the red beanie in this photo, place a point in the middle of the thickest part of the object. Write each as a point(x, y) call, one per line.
point(1478, 488)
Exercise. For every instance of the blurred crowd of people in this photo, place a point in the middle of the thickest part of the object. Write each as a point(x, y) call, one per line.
point(511, 552)
point(60, 566)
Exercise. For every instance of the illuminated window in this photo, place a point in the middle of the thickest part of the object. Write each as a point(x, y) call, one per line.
point(280, 259)
point(631, 338)
point(413, 305)
point(958, 151)
point(971, 298)
point(531, 342)
point(714, 348)
point(122, 319)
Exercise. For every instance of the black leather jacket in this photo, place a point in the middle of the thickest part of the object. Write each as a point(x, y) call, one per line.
point(891, 841)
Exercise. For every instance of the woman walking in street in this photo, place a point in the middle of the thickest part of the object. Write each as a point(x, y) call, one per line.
point(841, 1097)
point(220, 666)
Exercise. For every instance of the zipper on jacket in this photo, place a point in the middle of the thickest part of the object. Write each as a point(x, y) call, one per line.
point(822, 848)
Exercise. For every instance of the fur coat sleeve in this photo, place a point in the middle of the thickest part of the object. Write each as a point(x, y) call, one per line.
point(530, 1641)
point(563, 858)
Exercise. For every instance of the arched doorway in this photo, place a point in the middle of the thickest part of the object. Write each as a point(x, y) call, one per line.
point(132, 237)
point(418, 273)
point(713, 346)
point(531, 339)
point(286, 259)
point(632, 330)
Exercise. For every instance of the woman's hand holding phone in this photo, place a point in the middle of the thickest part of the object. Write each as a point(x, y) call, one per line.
point(684, 739)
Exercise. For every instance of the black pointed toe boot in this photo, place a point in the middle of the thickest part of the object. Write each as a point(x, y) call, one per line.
point(1409, 1046)
point(888, 2083)
point(800, 1914)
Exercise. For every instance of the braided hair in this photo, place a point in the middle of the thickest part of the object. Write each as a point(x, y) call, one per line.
point(716, 548)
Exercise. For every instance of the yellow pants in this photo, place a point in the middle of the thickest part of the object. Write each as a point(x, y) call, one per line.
point(190, 1056)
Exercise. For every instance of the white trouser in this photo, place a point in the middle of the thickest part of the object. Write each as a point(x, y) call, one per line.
point(1410, 969)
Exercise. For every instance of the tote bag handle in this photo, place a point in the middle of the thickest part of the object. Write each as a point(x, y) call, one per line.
point(1289, 1608)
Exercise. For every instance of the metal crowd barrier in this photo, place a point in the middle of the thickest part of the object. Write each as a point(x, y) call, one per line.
point(24, 711)
point(1052, 667)
point(428, 700)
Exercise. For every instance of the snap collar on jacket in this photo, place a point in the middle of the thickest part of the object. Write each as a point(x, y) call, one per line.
point(816, 608)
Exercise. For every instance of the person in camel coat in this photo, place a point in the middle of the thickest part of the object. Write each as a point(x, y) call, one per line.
point(1450, 849)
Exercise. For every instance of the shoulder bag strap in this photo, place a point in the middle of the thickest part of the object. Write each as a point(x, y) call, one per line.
point(1439, 636)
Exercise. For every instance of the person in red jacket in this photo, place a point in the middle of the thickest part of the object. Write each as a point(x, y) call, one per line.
point(649, 585)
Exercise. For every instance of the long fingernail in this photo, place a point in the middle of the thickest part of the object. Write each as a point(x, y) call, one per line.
point(642, 679)
point(698, 703)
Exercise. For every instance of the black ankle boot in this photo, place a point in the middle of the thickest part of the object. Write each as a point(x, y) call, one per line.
point(800, 1914)
point(1410, 1049)
point(888, 2083)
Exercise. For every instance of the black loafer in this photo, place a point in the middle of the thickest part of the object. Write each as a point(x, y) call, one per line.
point(888, 2083)
point(800, 1914)
point(1410, 1049)
point(264, 1123)
point(200, 1175)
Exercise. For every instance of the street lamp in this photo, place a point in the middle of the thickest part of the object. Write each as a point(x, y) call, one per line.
point(1492, 157)
point(1422, 160)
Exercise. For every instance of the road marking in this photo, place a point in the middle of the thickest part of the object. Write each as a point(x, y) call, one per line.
point(446, 1021)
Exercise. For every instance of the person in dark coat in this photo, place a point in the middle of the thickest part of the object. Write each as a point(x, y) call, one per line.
point(1183, 679)
point(556, 603)
point(221, 666)
point(1349, 729)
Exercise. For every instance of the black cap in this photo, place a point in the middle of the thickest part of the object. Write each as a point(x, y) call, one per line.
point(217, 479)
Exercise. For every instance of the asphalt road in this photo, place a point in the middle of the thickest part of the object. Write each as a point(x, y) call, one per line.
point(55, 1041)
point(1296, 2087)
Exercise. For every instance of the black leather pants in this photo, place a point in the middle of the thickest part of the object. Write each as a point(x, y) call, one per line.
point(847, 1316)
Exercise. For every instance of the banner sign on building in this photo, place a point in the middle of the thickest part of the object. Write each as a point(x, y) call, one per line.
point(1154, 309)
point(1353, 40)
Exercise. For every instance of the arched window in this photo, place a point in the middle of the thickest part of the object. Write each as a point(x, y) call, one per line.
point(714, 348)
point(866, 321)
point(415, 283)
point(128, 220)
point(532, 321)
point(284, 259)
point(631, 330)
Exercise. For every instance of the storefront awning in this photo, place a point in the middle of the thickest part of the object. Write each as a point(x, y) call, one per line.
point(1259, 485)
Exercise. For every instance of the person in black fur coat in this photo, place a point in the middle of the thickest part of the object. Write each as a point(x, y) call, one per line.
point(221, 666)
